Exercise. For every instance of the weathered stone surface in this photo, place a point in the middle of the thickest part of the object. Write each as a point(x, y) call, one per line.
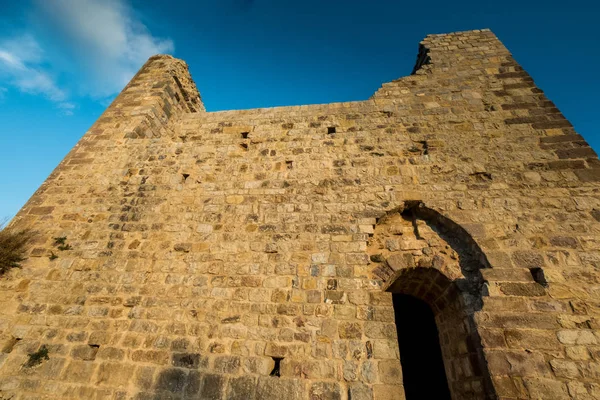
point(390, 371)
point(114, 374)
point(531, 339)
point(246, 254)
point(325, 391)
point(279, 388)
point(388, 392)
point(360, 392)
point(540, 388)
point(522, 289)
point(84, 352)
point(527, 259)
point(186, 360)
point(241, 388)
point(213, 387)
point(79, 371)
point(172, 380)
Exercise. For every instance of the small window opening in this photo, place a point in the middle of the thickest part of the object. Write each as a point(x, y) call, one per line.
point(290, 164)
point(277, 368)
point(331, 130)
point(245, 135)
point(94, 350)
point(425, 146)
point(423, 372)
point(539, 276)
point(185, 176)
point(244, 146)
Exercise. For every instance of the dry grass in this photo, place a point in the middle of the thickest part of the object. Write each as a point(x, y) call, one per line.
point(13, 247)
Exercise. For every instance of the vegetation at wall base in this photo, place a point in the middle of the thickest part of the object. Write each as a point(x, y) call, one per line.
point(13, 247)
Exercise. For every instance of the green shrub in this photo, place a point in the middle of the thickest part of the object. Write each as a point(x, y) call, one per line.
point(37, 357)
point(13, 247)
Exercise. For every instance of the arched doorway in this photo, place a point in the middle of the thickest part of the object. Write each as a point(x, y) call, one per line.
point(423, 370)
point(432, 263)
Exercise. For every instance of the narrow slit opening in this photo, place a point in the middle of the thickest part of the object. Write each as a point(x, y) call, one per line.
point(185, 176)
point(244, 146)
point(245, 135)
point(277, 368)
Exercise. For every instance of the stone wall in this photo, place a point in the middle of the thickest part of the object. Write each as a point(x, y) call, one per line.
point(250, 254)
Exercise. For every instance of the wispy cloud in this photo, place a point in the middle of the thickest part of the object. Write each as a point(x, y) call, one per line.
point(108, 39)
point(93, 48)
point(67, 108)
point(22, 66)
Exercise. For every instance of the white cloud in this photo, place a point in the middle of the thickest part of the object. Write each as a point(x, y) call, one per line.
point(24, 47)
point(21, 65)
point(111, 44)
point(93, 48)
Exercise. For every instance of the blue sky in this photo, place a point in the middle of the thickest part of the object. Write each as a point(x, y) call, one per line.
point(62, 61)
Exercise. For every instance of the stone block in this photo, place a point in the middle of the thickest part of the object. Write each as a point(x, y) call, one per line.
point(84, 352)
point(388, 392)
point(79, 371)
point(227, 364)
point(360, 391)
point(114, 374)
point(213, 387)
point(150, 356)
point(522, 289)
point(531, 339)
point(187, 360)
point(350, 330)
point(518, 363)
point(144, 377)
point(270, 388)
point(110, 353)
point(577, 337)
point(258, 365)
point(565, 369)
point(171, 380)
point(541, 388)
point(325, 391)
point(527, 259)
point(390, 372)
point(582, 152)
point(241, 388)
point(588, 175)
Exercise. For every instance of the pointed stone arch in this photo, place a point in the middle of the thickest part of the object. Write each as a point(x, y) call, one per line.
point(419, 252)
point(416, 236)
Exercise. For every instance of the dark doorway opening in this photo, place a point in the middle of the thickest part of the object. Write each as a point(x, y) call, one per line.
point(423, 370)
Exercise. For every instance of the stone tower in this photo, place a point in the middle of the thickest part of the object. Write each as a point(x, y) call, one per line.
point(281, 253)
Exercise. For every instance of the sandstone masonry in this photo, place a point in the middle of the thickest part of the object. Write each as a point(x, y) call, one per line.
point(253, 254)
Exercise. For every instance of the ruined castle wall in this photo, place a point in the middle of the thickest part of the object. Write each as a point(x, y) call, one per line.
point(228, 254)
